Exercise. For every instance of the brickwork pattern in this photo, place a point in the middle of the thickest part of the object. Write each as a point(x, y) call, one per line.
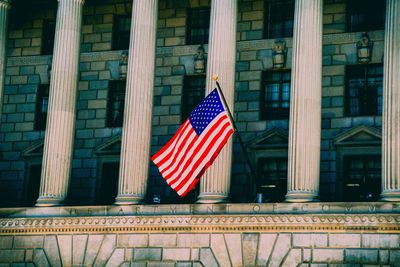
point(202, 249)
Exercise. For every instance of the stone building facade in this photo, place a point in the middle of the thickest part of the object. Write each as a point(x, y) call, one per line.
point(91, 89)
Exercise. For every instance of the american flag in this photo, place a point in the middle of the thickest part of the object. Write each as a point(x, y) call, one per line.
point(195, 145)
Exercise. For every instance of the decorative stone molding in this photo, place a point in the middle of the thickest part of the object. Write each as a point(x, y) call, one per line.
point(388, 223)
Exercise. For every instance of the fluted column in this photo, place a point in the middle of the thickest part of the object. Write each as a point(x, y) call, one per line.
point(391, 105)
point(305, 103)
point(4, 7)
point(136, 134)
point(60, 127)
point(215, 185)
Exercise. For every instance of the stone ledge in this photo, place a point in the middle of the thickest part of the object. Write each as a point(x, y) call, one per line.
point(204, 209)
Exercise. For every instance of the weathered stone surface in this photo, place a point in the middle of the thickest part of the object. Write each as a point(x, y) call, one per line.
point(65, 246)
point(28, 242)
point(78, 247)
point(328, 255)
point(162, 240)
point(380, 241)
point(361, 256)
point(153, 254)
point(234, 245)
point(132, 240)
point(207, 258)
point(293, 258)
point(176, 254)
point(249, 247)
point(52, 251)
point(94, 243)
point(8, 256)
point(265, 247)
point(219, 249)
point(116, 258)
point(193, 240)
point(281, 248)
point(310, 240)
point(344, 240)
point(106, 250)
point(39, 258)
point(6, 242)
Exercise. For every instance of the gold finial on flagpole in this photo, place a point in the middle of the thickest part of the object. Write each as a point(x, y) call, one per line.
point(214, 77)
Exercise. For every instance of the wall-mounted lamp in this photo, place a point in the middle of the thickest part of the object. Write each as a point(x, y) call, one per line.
point(123, 65)
point(200, 61)
point(364, 49)
point(279, 55)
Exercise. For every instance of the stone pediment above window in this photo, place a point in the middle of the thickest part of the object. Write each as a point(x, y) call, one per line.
point(35, 150)
point(359, 136)
point(110, 147)
point(271, 139)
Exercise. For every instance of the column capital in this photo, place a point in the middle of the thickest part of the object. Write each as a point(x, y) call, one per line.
point(5, 4)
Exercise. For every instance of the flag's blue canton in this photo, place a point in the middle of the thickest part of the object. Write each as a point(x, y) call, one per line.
point(206, 111)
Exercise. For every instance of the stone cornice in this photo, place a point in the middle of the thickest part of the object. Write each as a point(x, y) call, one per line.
point(266, 217)
point(375, 223)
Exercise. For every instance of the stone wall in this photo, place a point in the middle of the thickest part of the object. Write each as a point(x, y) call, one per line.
point(312, 234)
point(26, 69)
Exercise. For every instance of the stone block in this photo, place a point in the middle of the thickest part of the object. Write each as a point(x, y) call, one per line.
point(170, 100)
point(293, 258)
point(218, 246)
point(252, 15)
point(310, 240)
point(234, 246)
point(344, 240)
point(28, 241)
point(78, 246)
point(383, 256)
point(94, 104)
point(8, 256)
point(93, 245)
point(249, 246)
point(361, 256)
point(52, 250)
point(97, 65)
point(106, 249)
point(65, 247)
point(380, 241)
point(328, 255)
point(39, 258)
point(265, 246)
point(176, 254)
point(175, 22)
point(193, 240)
point(101, 46)
point(281, 248)
point(6, 241)
point(394, 256)
point(162, 240)
point(207, 258)
point(153, 254)
point(116, 258)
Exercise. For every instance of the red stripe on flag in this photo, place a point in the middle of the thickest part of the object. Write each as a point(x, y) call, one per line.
point(202, 162)
point(170, 142)
point(210, 162)
point(195, 149)
point(189, 168)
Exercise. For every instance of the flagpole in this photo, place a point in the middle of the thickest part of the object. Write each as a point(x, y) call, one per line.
point(252, 171)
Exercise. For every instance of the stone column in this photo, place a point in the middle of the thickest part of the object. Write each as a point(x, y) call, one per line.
point(60, 127)
point(136, 133)
point(4, 7)
point(391, 105)
point(305, 103)
point(215, 184)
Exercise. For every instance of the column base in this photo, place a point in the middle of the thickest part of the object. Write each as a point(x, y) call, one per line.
point(392, 196)
point(49, 202)
point(300, 196)
point(212, 198)
point(128, 200)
